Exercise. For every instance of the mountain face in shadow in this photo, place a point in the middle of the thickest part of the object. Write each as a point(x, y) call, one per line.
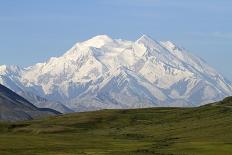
point(14, 107)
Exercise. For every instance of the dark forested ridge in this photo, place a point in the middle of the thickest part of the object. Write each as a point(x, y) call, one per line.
point(14, 107)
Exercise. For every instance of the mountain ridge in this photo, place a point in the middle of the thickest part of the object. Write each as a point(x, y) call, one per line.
point(165, 74)
point(14, 107)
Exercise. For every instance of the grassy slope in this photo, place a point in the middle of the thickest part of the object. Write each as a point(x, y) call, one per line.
point(205, 130)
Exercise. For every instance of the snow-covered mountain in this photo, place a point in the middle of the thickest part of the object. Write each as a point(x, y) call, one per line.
point(112, 73)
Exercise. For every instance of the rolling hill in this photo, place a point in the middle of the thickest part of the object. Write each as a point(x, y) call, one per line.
point(204, 130)
point(14, 107)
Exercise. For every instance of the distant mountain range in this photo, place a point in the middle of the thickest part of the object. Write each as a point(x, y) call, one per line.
point(13, 107)
point(106, 73)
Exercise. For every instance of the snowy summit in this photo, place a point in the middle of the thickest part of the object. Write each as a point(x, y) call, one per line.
point(105, 73)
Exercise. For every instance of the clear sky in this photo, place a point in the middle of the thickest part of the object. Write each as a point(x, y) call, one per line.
point(33, 31)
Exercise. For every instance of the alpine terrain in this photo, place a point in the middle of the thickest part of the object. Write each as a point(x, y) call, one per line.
point(106, 73)
point(13, 107)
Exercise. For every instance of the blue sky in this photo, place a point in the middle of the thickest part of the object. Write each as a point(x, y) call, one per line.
point(33, 31)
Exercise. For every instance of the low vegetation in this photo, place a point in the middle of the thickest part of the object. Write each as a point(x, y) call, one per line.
point(204, 130)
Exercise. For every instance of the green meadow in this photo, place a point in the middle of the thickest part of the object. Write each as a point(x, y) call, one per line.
point(205, 130)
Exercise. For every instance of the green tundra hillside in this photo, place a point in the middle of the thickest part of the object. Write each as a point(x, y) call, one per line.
point(205, 130)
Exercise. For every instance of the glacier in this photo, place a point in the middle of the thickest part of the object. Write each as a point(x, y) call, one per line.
point(106, 73)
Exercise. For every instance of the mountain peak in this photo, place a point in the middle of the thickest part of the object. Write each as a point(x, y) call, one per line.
point(146, 40)
point(144, 37)
point(102, 37)
point(100, 72)
point(98, 41)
